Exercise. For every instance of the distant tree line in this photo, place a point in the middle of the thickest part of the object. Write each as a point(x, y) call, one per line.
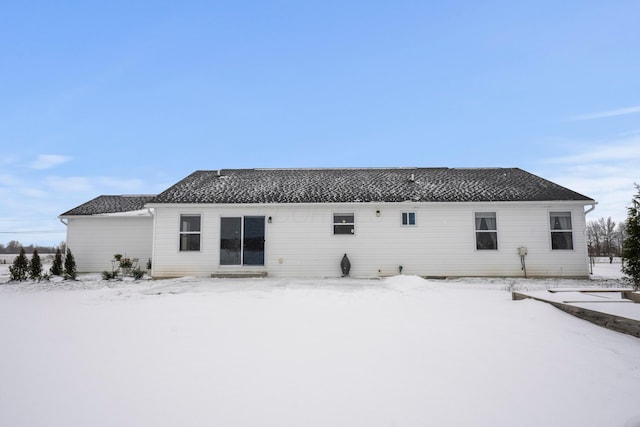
point(13, 247)
point(605, 237)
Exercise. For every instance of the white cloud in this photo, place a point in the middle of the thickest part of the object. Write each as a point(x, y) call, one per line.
point(69, 184)
point(605, 171)
point(94, 185)
point(47, 161)
point(630, 132)
point(34, 193)
point(617, 150)
point(7, 159)
point(123, 186)
point(9, 180)
point(37, 201)
point(605, 114)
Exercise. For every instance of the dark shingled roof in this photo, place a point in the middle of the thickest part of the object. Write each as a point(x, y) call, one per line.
point(364, 185)
point(110, 204)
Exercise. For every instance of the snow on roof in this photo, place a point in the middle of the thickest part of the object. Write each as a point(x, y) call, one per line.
point(128, 205)
point(342, 186)
point(365, 185)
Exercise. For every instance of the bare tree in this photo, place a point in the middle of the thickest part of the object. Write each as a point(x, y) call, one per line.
point(604, 238)
point(608, 229)
point(594, 236)
point(13, 247)
point(621, 236)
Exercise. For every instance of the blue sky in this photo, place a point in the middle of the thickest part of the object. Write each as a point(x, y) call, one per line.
point(130, 97)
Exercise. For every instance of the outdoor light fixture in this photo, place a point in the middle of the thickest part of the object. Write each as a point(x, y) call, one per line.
point(269, 220)
point(378, 213)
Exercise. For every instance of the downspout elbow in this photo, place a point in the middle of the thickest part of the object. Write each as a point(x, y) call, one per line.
point(62, 221)
point(593, 206)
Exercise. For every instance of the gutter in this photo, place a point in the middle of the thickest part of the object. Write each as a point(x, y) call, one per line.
point(593, 206)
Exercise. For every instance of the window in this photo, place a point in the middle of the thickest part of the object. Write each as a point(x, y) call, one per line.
point(408, 218)
point(486, 231)
point(189, 233)
point(561, 231)
point(343, 224)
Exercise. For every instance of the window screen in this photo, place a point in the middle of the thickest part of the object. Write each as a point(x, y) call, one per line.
point(486, 231)
point(561, 231)
point(343, 224)
point(189, 232)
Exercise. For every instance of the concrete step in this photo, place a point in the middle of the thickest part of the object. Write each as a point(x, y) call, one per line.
point(239, 275)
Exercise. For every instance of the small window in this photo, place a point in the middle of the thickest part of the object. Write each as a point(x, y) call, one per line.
point(486, 231)
point(408, 218)
point(343, 224)
point(561, 231)
point(189, 233)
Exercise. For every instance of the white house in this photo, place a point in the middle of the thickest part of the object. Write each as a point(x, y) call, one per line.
point(109, 225)
point(438, 222)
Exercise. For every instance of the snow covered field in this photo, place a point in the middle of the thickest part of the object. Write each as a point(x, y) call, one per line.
point(336, 352)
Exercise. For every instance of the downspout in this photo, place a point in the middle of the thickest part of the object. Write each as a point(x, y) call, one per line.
point(593, 206)
point(153, 240)
point(66, 235)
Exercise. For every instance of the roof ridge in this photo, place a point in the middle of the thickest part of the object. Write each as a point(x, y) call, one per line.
point(337, 168)
point(355, 168)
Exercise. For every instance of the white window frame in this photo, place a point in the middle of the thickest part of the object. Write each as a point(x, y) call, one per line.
point(563, 230)
point(242, 240)
point(477, 230)
point(182, 233)
point(408, 222)
point(335, 224)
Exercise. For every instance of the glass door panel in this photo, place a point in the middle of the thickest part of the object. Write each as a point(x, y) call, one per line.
point(230, 238)
point(253, 243)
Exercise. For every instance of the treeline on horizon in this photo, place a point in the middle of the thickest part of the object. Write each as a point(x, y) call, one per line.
point(13, 247)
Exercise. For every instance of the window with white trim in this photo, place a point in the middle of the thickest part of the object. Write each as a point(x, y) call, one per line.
point(344, 223)
point(408, 218)
point(486, 231)
point(561, 230)
point(190, 233)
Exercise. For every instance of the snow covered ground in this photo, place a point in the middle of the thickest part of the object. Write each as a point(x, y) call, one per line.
point(402, 351)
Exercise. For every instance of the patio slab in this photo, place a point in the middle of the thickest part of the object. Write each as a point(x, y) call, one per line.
point(610, 308)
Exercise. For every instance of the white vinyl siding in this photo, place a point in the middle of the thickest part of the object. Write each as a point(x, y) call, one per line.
point(298, 244)
point(95, 240)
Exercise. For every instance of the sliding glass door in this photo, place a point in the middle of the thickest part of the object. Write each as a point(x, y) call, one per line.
point(242, 240)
